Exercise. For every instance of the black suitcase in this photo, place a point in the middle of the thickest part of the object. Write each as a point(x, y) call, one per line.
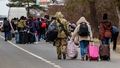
point(104, 51)
point(21, 36)
point(25, 37)
point(31, 37)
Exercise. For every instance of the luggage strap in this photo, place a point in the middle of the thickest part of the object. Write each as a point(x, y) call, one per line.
point(61, 25)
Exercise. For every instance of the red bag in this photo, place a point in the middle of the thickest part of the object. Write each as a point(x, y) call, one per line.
point(43, 25)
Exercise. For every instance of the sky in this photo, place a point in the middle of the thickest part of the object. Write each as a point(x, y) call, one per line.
point(3, 8)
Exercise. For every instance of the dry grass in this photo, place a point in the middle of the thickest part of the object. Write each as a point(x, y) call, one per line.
point(118, 41)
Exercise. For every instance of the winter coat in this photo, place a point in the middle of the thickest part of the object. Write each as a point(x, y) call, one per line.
point(61, 32)
point(32, 27)
point(37, 24)
point(76, 35)
point(21, 25)
point(104, 25)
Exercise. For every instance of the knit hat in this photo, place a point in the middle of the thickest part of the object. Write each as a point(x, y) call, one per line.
point(105, 16)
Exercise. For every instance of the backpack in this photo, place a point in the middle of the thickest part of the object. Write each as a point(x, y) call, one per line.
point(108, 30)
point(83, 30)
point(52, 32)
point(43, 24)
point(6, 24)
point(37, 24)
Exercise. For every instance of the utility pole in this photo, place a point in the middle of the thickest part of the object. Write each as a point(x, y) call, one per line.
point(28, 13)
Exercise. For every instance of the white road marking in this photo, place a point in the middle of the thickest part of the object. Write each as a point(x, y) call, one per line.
point(49, 62)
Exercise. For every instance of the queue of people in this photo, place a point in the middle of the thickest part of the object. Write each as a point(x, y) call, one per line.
point(30, 30)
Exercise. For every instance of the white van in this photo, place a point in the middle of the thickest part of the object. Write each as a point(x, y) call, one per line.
point(17, 12)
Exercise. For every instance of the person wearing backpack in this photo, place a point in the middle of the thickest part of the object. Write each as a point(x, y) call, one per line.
point(6, 27)
point(82, 35)
point(43, 27)
point(105, 29)
point(63, 33)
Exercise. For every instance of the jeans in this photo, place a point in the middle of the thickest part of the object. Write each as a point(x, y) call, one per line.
point(6, 34)
point(43, 36)
point(17, 38)
point(36, 38)
point(84, 47)
point(106, 41)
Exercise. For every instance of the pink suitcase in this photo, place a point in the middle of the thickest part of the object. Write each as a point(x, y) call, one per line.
point(93, 52)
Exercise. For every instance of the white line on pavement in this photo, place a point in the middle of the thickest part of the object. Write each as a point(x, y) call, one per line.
point(49, 62)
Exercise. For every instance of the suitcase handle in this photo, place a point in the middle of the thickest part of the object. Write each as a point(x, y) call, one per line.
point(92, 43)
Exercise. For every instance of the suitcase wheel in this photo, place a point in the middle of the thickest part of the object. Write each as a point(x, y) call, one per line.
point(98, 59)
point(90, 58)
point(109, 59)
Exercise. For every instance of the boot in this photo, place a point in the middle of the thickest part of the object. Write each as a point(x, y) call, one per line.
point(64, 55)
point(82, 59)
point(86, 55)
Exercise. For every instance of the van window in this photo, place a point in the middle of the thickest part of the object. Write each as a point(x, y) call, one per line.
point(2, 19)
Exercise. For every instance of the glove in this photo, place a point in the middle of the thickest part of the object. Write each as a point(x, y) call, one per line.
point(70, 41)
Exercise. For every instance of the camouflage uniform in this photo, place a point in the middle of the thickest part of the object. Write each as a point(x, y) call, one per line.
point(62, 37)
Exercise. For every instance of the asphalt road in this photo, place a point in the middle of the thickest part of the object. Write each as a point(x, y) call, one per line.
point(43, 55)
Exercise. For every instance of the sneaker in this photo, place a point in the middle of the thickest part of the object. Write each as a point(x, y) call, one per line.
point(111, 50)
point(36, 42)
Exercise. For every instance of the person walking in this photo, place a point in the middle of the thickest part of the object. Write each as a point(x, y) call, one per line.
point(115, 34)
point(82, 38)
point(105, 29)
point(63, 33)
point(43, 27)
point(38, 27)
point(6, 27)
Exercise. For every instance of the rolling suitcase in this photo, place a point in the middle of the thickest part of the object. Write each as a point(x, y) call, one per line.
point(25, 36)
point(104, 51)
point(21, 36)
point(31, 37)
point(10, 36)
point(93, 52)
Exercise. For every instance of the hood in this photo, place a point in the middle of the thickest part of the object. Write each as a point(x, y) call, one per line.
point(82, 19)
point(59, 15)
